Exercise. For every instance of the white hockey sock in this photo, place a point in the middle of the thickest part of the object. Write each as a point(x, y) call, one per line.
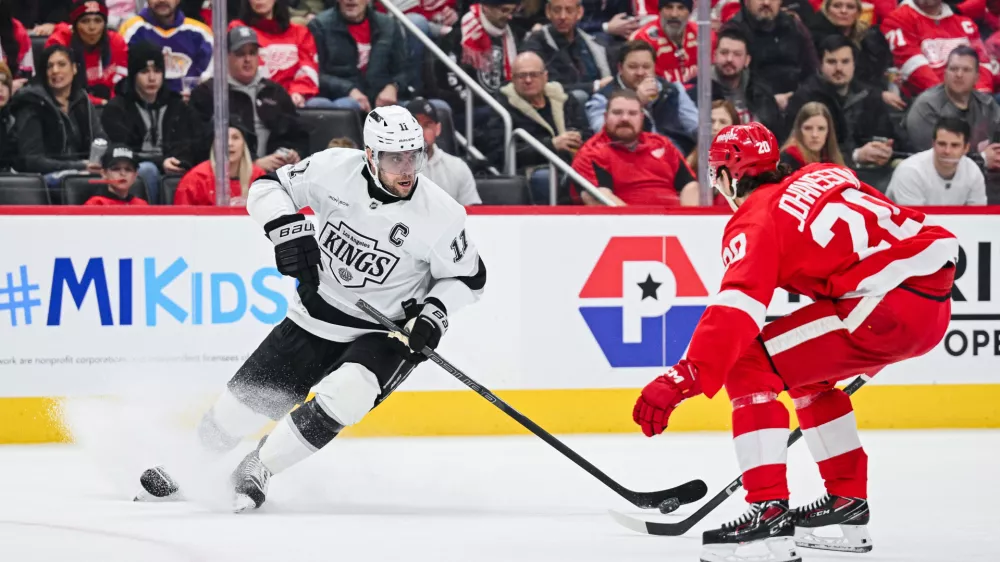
point(284, 447)
point(228, 422)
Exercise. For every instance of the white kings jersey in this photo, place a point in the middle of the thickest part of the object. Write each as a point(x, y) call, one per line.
point(373, 246)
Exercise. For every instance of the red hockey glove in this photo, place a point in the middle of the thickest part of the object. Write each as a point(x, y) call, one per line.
point(660, 397)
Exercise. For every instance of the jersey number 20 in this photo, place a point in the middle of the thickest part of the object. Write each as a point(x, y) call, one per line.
point(851, 212)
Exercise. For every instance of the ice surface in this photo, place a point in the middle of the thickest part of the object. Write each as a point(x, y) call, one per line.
point(934, 498)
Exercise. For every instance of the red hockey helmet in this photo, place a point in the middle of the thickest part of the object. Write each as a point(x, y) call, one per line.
point(743, 150)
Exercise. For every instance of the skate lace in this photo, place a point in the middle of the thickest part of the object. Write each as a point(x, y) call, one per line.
point(745, 518)
point(822, 500)
point(256, 469)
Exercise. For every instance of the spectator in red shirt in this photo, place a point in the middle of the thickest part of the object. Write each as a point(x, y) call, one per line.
point(119, 169)
point(630, 166)
point(101, 54)
point(197, 187)
point(287, 50)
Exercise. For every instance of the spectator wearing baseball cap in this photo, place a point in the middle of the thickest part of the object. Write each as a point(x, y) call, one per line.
point(119, 170)
point(449, 172)
point(100, 54)
point(287, 50)
point(259, 102)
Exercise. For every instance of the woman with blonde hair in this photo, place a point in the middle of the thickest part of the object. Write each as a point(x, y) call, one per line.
point(197, 187)
point(813, 138)
point(872, 57)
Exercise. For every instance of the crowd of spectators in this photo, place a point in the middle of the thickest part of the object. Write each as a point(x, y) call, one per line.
point(905, 93)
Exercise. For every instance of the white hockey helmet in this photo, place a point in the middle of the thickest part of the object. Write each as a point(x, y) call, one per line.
point(392, 130)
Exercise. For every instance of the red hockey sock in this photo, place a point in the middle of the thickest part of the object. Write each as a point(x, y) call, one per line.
point(760, 435)
point(831, 432)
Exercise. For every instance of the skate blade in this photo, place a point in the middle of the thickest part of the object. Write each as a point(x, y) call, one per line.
point(780, 549)
point(855, 539)
point(243, 503)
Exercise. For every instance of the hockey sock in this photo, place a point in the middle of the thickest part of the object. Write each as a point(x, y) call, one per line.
point(831, 432)
point(227, 423)
point(298, 435)
point(760, 435)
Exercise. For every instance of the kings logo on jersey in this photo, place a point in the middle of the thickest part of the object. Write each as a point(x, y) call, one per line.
point(643, 300)
point(354, 258)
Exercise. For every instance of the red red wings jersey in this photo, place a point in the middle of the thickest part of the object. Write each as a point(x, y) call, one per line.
point(675, 63)
point(819, 233)
point(921, 43)
point(97, 73)
point(287, 57)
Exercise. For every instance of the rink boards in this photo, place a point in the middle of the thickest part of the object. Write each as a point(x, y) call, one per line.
point(581, 309)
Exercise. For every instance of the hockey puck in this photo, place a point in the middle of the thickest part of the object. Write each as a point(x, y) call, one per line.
point(669, 505)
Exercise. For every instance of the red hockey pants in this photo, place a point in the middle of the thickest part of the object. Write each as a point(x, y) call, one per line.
point(806, 353)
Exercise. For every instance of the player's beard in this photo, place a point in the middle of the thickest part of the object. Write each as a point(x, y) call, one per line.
point(394, 187)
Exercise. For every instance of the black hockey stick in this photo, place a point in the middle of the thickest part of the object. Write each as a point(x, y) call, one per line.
point(677, 529)
point(669, 499)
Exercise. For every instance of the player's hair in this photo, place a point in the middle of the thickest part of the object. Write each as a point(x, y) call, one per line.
point(632, 47)
point(953, 125)
point(281, 14)
point(830, 151)
point(748, 183)
point(964, 51)
point(856, 33)
point(836, 42)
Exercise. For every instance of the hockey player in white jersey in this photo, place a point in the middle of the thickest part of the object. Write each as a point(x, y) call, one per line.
point(384, 233)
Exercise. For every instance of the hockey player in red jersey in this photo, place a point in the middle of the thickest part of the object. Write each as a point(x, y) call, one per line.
point(881, 278)
point(921, 35)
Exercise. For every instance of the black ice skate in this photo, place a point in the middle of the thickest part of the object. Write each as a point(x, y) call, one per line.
point(157, 485)
point(764, 534)
point(850, 514)
point(250, 482)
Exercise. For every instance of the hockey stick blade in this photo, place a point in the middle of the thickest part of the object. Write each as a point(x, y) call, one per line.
point(676, 529)
point(685, 493)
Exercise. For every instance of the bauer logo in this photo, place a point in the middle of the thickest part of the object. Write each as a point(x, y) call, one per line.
point(643, 300)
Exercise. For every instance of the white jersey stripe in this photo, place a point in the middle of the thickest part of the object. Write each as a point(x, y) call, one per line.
point(739, 300)
point(803, 333)
point(913, 64)
point(931, 259)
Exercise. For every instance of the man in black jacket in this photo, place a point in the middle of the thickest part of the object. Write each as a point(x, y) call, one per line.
point(860, 117)
point(781, 50)
point(281, 137)
point(546, 112)
point(733, 81)
point(362, 57)
point(165, 134)
point(572, 56)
